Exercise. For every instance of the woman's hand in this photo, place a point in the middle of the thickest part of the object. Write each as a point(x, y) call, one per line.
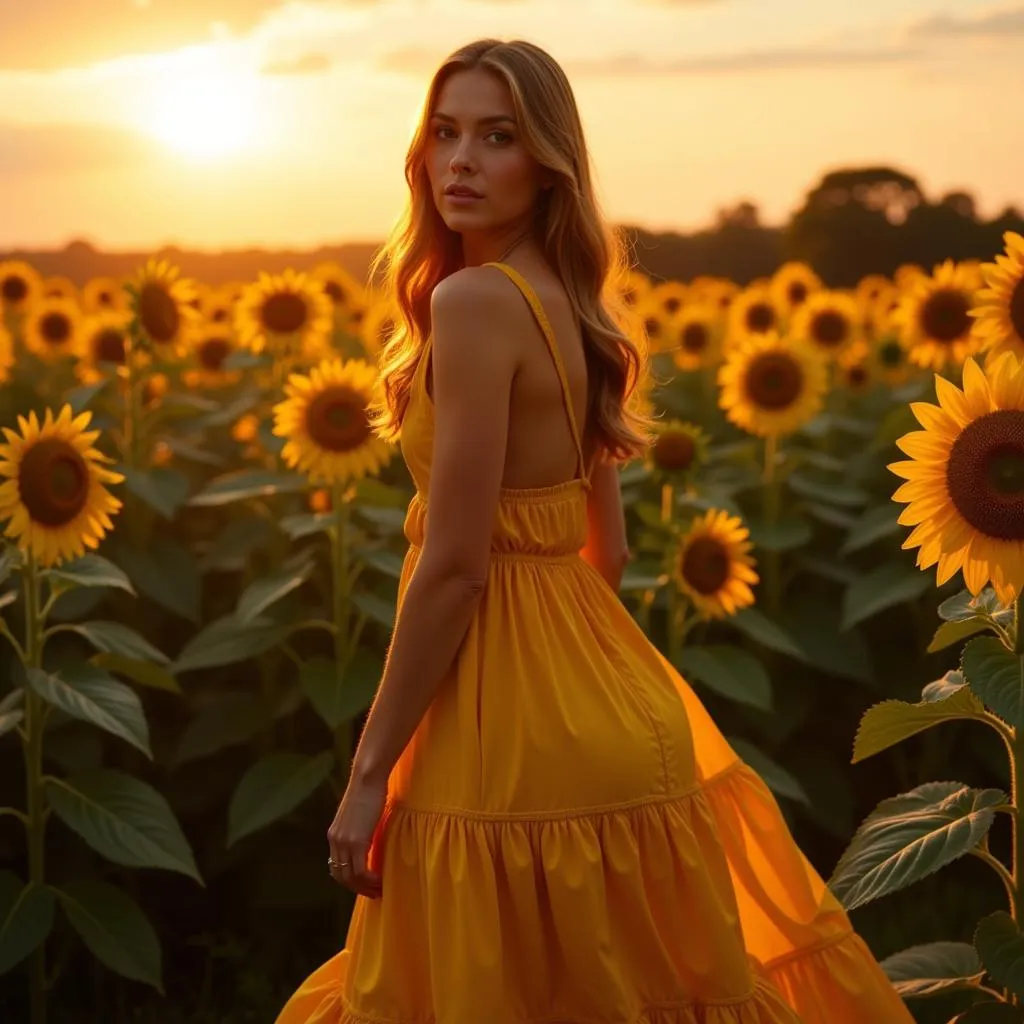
point(351, 835)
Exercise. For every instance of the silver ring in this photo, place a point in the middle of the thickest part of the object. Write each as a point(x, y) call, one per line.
point(332, 863)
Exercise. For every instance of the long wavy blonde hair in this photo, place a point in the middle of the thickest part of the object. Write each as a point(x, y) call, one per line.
point(590, 258)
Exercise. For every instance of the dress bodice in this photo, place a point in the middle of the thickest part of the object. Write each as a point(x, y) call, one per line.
point(535, 521)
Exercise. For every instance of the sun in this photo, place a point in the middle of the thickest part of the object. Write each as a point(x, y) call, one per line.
point(205, 115)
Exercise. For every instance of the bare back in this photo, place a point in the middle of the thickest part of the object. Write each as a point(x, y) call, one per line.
point(540, 451)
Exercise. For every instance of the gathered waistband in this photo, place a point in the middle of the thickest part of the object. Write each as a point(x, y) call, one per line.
point(525, 556)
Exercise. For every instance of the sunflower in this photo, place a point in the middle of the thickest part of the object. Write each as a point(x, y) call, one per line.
point(6, 353)
point(828, 320)
point(164, 306)
point(714, 291)
point(210, 347)
point(104, 293)
point(324, 419)
point(858, 376)
point(53, 495)
point(965, 479)
point(876, 311)
point(792, 284)
point(678, 449)
point(934, 318)
point(908, 274)
point(378, 325)
point(892, 359)
point(670, 296)
point(770, 386)
point(698, 337)
point(20, 285)
point(59, 288)
point(752, 312)
point(713, 566)
point(654, 322)
point(218, 307)
point(1000, 314)
point(53, 328)
point(631, 285)
point(870, 287)
point(284, 314)
point(343, 290)
point(103, 340)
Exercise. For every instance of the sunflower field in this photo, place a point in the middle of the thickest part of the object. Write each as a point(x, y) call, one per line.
point(198, 575)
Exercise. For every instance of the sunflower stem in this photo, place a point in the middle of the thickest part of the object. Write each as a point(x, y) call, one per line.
point(341, 589)
point(33, 751)
point(770, 497)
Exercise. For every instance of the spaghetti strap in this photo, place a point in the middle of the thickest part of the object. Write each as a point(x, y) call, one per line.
point(531, 297)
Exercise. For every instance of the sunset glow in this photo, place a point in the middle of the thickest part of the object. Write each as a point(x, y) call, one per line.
point(207, 116)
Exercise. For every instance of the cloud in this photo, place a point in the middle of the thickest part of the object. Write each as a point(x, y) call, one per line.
point(418, 60)
point(37, 150)
point(307, 64)
point(49, 34)
point(995, 24)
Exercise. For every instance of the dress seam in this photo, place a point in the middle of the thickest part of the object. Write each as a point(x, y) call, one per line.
point(688, 1004)
point(680, 796)
point(724, 773)
point(815, 947)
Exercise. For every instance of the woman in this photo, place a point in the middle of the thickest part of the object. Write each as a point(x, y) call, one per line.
point(542, 823)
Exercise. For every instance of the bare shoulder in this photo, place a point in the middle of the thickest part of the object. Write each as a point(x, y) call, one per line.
point(473, 290)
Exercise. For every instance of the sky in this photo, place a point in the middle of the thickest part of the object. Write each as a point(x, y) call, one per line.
point(230, 123)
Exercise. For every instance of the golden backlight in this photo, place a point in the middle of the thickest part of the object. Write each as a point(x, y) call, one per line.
point(206, 116)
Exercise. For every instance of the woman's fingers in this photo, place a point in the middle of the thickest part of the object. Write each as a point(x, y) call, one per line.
point(355, 874)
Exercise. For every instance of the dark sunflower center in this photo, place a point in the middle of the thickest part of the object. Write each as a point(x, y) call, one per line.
point(213, 352)
point(760, 317)
point(985, 474)
point(336, 419)
point(674, 450)
point(1017, 308)
point(829, 328)
point(55, 328)
point(890, 353)
point(695, 338)
point(672, 304)
point(857, 376)
point(284, 313)
point(653, 326)
point(104, 298)
point(944, 315)
point(158, 313)
point(218, 316)
point(358, 316)
point(797, 292)
point(108, 346)
point(335, 292)
point(774, 380)
point(705, 565)
point(14, 288)
point(53, 480)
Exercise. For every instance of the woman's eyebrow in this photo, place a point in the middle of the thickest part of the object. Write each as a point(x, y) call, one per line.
point(490, 119)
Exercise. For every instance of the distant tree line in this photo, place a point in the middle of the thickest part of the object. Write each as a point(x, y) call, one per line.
point(855, 221)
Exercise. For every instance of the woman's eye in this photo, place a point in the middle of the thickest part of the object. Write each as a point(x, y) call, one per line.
point(504, 137)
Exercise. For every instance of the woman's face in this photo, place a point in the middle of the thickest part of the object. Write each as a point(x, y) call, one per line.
point(473, 140)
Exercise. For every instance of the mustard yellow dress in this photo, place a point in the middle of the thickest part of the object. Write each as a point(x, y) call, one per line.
point(568, 838)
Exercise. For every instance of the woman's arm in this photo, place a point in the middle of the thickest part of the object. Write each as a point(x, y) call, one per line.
point(607, 548)
point(472, 393)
